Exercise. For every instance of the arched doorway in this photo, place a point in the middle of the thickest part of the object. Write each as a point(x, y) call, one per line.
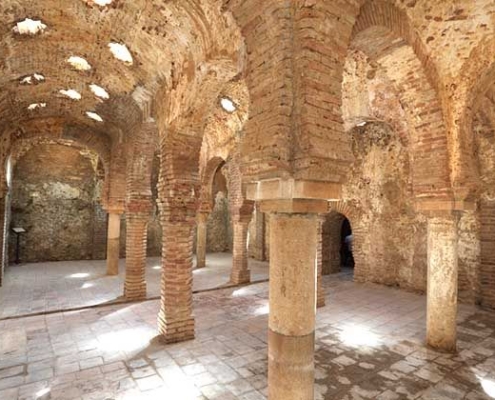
point(337, 244)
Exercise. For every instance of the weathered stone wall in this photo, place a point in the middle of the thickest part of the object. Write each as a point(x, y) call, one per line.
point(389, 236)
point(483, 239)
point(53, 198)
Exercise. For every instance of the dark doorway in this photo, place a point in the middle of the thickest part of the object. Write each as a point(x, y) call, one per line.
point(346, 240)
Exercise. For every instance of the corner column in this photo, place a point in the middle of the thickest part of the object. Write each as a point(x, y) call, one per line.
point(201, 236)
point(442, 282)
point(113, 242)
point(240, 271)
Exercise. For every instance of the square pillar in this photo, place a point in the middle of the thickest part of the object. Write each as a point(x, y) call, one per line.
point(442, 283)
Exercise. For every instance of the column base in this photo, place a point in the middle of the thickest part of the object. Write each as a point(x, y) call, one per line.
point(175, 331)
point(240, 277)
point(442, 346)
point(135, 291)
point(291, 371)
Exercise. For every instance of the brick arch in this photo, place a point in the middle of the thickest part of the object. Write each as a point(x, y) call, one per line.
point(331, 238)
point(383, 13)
point(24, 145)
point(208, 175)
point(382, 22)
point(349, 210)
point(476, 77)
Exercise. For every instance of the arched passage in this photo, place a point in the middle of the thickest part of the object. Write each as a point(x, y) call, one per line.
point(337, 246)
point(55, 198)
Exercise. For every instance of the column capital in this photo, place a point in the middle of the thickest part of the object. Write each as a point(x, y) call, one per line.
point(113, 209)
point(292, 189)
point(443, 207)
point(295, 206)
point(202, 217)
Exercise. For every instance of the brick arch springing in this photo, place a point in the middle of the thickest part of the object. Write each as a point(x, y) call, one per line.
point(419, 93)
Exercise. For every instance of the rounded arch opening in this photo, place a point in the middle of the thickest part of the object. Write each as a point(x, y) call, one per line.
point(55, 198)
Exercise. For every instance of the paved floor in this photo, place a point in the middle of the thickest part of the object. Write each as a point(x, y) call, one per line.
point(369, 346)
point(42, 287)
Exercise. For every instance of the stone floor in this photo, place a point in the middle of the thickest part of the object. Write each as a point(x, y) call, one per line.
point(369, 346)
point(49, 286)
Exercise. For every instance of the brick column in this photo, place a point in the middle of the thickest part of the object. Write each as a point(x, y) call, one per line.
point(201, 240)
point(138, 208)
point(175, 319)
point(293, 245)
point(240, 271)
point(442, 283)
point(320, 298)
point(137, 217)
point(178, 189)
point(113, 243)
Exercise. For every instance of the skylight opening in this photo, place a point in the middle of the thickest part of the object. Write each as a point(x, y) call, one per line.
point(101, 3)
point(79, 63)
point(71, 94)
point(98, 91)
point(228, 104)
point(30, 79)
point(94, 116)
point(121, 52)
point(29, 27)
point(36, 106)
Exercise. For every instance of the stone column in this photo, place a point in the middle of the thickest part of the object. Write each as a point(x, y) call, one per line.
point(240, 271)
point(258, 248)
point(113, 243)
point(442, 283)
point(136, 249)
point(320, 298)
point(293, 245)
point(3, 235)
point(201, 240)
